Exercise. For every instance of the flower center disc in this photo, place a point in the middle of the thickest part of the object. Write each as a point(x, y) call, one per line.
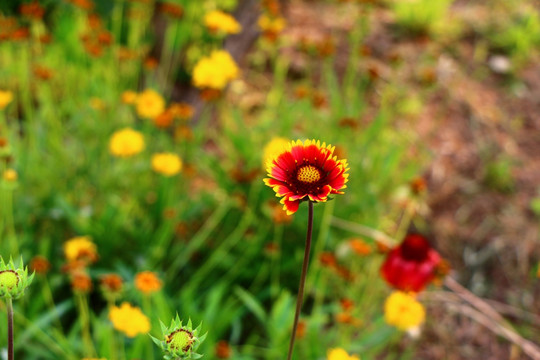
point(308, 174)
point(181, 339)
point(8, 279)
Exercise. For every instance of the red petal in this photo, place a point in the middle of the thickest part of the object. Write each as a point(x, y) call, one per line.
point(290, 206)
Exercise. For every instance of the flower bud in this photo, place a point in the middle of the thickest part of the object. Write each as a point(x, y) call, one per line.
point(13, 280)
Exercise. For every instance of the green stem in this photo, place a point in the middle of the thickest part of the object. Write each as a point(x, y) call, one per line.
point(276, 259)
point(10, 224)
point(10, 328)
point(300, 296)
point(147, 309)
point(47, 294)
point(113, 353)
point(85, 325)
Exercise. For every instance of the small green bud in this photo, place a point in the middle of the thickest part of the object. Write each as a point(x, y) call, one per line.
point(13, 280)
point(180, 342)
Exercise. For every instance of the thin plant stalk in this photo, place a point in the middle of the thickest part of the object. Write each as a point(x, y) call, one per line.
point(10, 328)
point(47, 294)
point(114, 344)
point(147, 308)
point(85, 324)
point(300, 296)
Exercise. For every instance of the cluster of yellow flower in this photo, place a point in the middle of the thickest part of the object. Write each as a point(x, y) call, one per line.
point(128, 142)
point(219, 22)
point(215, 71)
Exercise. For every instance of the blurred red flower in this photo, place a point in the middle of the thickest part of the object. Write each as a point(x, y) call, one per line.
point(412, 265)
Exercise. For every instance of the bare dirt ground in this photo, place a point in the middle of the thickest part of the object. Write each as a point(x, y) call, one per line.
point(483, 132)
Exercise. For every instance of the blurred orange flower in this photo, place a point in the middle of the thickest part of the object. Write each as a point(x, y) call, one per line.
point(39, 264)
point(173, 10)
point(164, 120)
point(112, 283)
point(223, 350)
point(81, 282)
point(182, 111)
point(147, 282)
point(360, 247)
point(129, 97)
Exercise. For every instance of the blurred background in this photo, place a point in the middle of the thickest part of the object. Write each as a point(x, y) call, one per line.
point(134, 136)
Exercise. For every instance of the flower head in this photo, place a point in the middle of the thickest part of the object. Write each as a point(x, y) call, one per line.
point(147, 282)
point(173, 10)
point(111, 284)
point(218, 21)
point(80, 248)
point(403, 311)
point(126, 142)
point(215, 71)
point(412, 265)
point(10, 175)
point(39, 264)
point(180, 342)
point(306, 171)
point(271, 26)
point(129, 97)
point(13, 280)
point(5, 98)
point(81, 282)
point(340, 354)
point(149, 104)
point(360, 247)
point(223, 350)
point(167, 164)
point(129, 319)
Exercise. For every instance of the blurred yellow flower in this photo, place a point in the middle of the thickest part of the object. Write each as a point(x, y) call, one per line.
point(147, 282)
point(97, 103)
point(129, 319)
point(273, 148)
point(126, 142)
point(167, 164)
point(218, 21)
point(80, 247)
point(215, 71)
point(129, 97)
point(273, 25)
point(149, 104)
point(10, 175)
point(403, 311)
point(340, 354)
point(5, 98)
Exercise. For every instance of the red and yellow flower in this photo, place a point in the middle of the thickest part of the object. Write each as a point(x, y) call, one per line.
point(306, 170)
point(412, 265)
